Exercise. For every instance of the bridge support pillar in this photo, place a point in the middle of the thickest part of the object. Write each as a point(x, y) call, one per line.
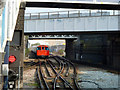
point(2, 54)
point(70, 54)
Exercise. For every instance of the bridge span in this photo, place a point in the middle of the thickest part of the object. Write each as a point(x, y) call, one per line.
point(72, 21)
point(89, 4)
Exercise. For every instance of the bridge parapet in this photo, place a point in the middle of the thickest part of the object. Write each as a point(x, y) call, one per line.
point(70, 14)
point(77, 24)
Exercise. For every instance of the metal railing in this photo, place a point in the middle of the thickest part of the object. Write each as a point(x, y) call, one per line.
point(71, 13)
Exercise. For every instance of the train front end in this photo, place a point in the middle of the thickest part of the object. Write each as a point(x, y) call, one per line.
point(42, 51)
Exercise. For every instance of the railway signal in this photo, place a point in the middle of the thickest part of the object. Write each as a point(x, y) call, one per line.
point(12, 58)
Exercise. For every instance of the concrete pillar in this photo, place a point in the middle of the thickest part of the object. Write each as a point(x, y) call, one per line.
point(77, 48)
point(70, 54)
point(1, 61)
point(113, 51)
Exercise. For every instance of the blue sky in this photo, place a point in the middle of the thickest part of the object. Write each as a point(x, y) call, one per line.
point(35, 10)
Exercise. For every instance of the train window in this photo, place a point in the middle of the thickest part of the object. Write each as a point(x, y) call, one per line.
point(42, 48)
point(38, 48)
point(46, 48)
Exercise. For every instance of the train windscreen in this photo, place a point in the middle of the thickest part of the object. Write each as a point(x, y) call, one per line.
point(38, 48)
point(46, 48)
point(42, 48)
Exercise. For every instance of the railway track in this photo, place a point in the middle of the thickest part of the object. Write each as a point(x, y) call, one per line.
point(57, 73)
point(30, 64)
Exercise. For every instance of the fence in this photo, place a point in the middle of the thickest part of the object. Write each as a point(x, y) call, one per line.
point(68, 14)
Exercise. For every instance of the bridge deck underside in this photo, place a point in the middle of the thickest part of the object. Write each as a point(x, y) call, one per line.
point(74, 5)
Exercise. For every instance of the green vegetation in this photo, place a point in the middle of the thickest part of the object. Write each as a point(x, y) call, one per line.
point(27, 51)
point(60, 51)
point(26, 37)
point(36, 44)
point(33, 84)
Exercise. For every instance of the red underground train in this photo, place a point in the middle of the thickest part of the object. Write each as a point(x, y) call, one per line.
point(42, 51)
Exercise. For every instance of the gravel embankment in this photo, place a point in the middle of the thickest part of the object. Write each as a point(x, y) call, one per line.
point(29, 79)
point(97, 78)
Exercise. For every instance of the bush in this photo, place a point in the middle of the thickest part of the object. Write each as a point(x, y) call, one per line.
point(27, 51)
point(36, 44)
point(60, 51)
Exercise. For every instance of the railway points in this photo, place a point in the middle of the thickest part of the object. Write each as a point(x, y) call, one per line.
point(51, 74)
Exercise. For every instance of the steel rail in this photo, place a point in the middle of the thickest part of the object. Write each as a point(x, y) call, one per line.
point(66, 74)
point(38, 75)
point(62, 67)
point(75, 74)
point(47, 70)
point(67, 71)
point(53, 64)
point(58, 62)
point(45, 83)
point(59, 75)
point(31, 65)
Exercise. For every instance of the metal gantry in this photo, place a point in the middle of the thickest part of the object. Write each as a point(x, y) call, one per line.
point(33, 37)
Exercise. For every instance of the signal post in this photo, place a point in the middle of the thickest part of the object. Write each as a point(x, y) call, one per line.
point(16, 52)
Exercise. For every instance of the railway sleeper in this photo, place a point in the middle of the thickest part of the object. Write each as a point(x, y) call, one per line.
point(65, 85)
point(58, 85)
